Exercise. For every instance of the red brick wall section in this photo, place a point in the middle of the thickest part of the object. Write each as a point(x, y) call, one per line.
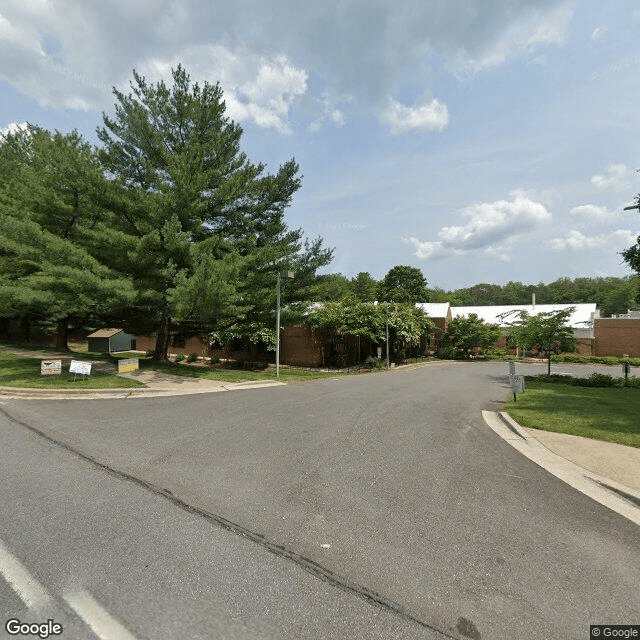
point(301, 346)
point(617, 337)
point(193, 345)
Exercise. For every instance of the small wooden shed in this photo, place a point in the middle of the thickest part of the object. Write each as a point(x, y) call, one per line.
point(110, 340)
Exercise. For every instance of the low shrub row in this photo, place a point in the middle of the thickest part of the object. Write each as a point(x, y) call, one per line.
point(594, 380)
point(575, 358)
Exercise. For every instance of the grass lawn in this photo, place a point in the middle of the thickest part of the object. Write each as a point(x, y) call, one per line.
point(236, 375)
point(602, 413)
point(21, 371)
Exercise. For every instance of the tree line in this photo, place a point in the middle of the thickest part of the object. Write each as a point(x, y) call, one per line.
point(613, 295)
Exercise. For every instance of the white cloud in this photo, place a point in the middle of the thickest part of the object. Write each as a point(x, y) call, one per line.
point(490, 229)
point(13, 127)
point(592, 212)
point(576, 240)
point(67, 54)
point(533, 28)
point(598, 32)
point(255, 88)
point(428, 116)
point(616, 177)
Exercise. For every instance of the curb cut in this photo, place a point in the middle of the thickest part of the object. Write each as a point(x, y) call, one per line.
point(611, 494)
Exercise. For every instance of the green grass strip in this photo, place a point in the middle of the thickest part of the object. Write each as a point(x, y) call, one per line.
point(236, 375)
point(610, 414)
point(22, 371)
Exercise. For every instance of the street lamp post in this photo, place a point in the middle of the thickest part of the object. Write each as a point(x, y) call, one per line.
point(281, 274)
point(387, 335)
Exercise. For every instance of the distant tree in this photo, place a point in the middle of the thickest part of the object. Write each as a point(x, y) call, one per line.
point(364, 287)
point(332, 286)
point(403, 284)
point(548, 332)
point(466, 333)
point(620, 298)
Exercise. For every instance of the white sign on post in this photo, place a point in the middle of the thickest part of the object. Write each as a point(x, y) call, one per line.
point(80, 367)
point(50, 367)
point(517, 383)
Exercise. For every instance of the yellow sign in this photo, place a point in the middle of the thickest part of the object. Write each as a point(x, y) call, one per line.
point(132, 364)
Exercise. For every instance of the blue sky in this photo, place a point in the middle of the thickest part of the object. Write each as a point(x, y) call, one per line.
point(479, 141)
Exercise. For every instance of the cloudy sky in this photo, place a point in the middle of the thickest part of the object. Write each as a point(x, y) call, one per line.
point(481, 141)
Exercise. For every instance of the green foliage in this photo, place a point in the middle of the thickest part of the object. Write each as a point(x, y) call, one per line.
point(192, 357)
point(611, 294)
point(179, 357)
point(375, 363)
point(594, 380)
point(547, 332)
point(403, 284)
point(215, 360)
point(466, 333)
point(209, 224)
point(576, 358)
point(368, 320)
point(364, 287)
point(56, 239)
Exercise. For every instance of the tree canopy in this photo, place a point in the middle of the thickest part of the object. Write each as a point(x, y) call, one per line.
point(466, 333)
point(209, 223)
point(403, 284)
point(548, 332)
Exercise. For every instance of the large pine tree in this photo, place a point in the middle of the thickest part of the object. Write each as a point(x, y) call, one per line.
point(209, 223)
point(53, 232)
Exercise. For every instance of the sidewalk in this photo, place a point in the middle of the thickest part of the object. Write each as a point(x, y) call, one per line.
point(607, 472)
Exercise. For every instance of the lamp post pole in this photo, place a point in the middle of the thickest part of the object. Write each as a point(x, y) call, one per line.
point(387, 335)
point(281, 274)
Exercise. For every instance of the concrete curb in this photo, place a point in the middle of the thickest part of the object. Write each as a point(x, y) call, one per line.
point(611, 494)
point(124, 392)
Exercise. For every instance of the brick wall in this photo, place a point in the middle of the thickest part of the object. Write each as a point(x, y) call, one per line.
point(194, 345)
point(302, 346)
point(617, 337)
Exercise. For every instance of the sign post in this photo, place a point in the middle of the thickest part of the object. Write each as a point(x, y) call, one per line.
point(83, 368)
point(517, 385)
point(50, 367)
point(130, 364)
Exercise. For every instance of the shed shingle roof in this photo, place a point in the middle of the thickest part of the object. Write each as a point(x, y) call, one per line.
point(104, 333)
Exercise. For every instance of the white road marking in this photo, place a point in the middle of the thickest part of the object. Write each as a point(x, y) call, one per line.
point(31, 592)
point(101, 622)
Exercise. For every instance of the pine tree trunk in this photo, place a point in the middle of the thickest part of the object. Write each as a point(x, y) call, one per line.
point(62, 335)
point(162, 341)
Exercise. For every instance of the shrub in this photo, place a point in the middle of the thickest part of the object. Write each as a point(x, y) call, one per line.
point(215, 360)
point(495, 352)
point(150, 353)
point(401, 356)
point(594, 380)
point(598, 380)
point(375, 363)
point(192, 357)
point(180, 357)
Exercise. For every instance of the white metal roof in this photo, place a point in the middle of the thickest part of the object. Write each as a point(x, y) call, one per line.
point(434, 309)
point(581, 318)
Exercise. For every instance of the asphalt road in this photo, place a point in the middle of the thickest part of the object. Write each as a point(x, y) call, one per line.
point(389, 487)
